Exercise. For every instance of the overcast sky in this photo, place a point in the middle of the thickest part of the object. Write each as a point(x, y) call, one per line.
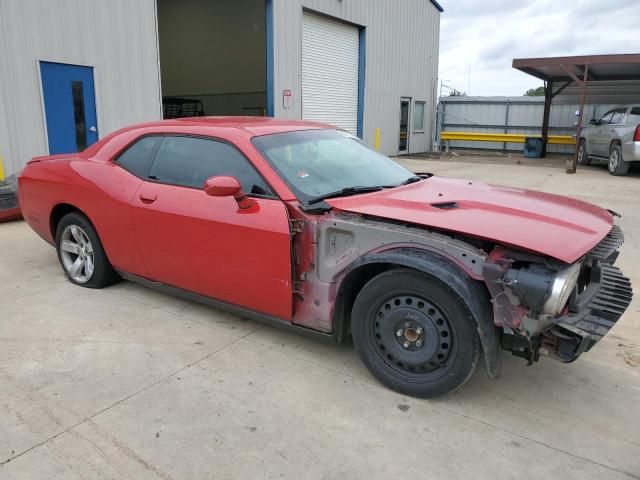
point(480, 38)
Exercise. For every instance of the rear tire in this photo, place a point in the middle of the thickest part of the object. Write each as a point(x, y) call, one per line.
point(81, 254)
point(415, 334)
point(583, 154)
point(617, 166)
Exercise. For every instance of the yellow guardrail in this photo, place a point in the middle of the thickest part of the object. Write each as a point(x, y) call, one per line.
point(1, 169)
point(504, 137)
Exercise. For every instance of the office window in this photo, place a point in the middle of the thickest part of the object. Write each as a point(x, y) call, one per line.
point(418, 117)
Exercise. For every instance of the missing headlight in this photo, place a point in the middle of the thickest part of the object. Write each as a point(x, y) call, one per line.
point(563, 284)
point(541, 289)
point(530, 284)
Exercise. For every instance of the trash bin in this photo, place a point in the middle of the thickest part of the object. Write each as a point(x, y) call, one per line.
point(533, 147)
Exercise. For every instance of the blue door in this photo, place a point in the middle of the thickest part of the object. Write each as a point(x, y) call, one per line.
point(70, 107)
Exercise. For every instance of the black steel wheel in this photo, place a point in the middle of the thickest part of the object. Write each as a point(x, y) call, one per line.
point(415, 334)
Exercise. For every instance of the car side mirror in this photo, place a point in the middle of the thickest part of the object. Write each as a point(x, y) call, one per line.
point(227, 187)
point(593, 121)
point(222, 186)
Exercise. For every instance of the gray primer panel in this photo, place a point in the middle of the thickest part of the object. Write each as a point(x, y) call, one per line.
point(346, 237)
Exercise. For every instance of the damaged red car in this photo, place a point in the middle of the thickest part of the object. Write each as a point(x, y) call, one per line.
point(300, 224)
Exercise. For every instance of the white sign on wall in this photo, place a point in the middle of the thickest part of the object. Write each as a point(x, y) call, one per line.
point(286, 99)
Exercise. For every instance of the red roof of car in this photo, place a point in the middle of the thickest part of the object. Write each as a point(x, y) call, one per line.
point(253, 125)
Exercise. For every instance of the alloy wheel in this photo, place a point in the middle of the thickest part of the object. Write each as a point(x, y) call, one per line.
point(581, 153)
point(77, 255)
point(614, 160)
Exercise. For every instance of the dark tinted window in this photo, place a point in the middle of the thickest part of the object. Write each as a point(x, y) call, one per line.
point(189, 161)
point(77, 94)
point(139, 156)
point(635, 111)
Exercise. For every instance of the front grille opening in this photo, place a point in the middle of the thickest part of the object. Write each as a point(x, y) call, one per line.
point(583, 279)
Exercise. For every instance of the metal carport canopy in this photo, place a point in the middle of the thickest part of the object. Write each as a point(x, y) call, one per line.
point(598, 78)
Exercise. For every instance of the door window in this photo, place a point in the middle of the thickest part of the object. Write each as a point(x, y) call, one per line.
point(138, 158)
point(618, 116)
point(190, 161)
point(77, 94)
point(606, 118)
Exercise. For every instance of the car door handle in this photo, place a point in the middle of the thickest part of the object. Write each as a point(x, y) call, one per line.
point(148, 197)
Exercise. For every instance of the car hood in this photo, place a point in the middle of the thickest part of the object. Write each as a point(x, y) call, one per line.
point(560, 227)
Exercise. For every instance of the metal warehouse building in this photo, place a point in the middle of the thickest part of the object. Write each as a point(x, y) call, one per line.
point(72, 71)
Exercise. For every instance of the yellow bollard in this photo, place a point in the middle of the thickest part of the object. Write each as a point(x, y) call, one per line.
point(1, 169)
point(376, 144)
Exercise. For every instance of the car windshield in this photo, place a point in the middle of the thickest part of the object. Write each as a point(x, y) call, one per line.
point(318, 164)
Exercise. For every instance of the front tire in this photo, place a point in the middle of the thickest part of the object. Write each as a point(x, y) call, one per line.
point(415, 334)
point(81, 254)
point(583, 154)
point(617, 166)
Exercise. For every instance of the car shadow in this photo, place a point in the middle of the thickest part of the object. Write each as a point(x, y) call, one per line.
point(634, 171)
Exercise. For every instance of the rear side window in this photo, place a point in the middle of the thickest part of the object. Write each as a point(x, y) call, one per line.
point(634, 116)
point(189, 161)
point(138, 158)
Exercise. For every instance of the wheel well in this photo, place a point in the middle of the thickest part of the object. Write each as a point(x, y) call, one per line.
point(57, 213)
point(349, 289)
point(614, 142)
point(473, 292)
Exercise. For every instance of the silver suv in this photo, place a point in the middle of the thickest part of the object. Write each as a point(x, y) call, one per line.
point(614, 137)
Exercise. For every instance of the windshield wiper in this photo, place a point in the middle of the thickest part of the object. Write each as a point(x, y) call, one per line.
point(360, 189)
point(344, 192)
point(414, 179)
point(409, 180)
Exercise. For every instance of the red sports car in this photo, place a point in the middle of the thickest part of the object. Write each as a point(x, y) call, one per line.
point(300, 224)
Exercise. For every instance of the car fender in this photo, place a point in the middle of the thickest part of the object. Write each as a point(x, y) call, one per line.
point(615, 139)
point(472, 292)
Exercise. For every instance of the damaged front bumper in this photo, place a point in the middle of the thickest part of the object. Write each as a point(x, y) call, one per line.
point(600, 295)
point(591, 314)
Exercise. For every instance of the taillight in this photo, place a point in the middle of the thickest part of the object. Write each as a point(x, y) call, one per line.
point(636, 136)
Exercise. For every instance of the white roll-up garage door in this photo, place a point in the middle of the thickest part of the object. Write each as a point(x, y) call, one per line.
point(330, 54)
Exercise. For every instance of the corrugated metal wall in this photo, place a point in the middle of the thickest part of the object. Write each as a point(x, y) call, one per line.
point(117, 37)
point(509, 115)
point(402, 42)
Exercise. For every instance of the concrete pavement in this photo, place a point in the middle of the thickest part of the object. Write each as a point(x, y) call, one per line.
point(128, 383)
